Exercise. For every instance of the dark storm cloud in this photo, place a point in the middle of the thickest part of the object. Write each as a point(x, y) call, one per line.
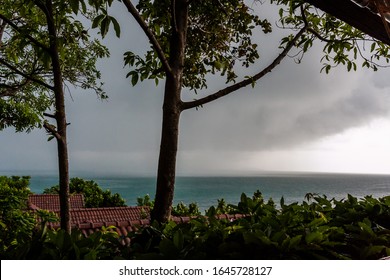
point(292, 106)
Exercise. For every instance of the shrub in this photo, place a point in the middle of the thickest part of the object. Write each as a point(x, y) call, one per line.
point(315, 229)
point(179, 210)
point(16, 224)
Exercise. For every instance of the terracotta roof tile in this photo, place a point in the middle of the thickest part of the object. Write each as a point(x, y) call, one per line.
point(51, 202)
point(124, 219)
point(107, 216)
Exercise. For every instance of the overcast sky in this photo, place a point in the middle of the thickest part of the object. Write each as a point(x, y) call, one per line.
point(295, 119)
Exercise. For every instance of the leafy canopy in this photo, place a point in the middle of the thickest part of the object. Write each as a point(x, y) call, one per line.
point(219, 35)
point(343, 45)
point(26, 77)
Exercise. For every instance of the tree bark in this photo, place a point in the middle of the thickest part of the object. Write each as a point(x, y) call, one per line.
point(60, 115)
point(356, 16)
point(172, 109)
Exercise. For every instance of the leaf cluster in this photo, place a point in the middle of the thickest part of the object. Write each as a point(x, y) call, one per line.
point(343, 45)
point(317, 229)
point(26, 75)
point(219, 35)
point(48, 244)
point(180, 209)
point(16, 225)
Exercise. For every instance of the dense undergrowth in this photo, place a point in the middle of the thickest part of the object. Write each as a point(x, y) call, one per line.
point(317, 228)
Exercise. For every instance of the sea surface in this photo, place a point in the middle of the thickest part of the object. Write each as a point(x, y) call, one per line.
point(206, 191)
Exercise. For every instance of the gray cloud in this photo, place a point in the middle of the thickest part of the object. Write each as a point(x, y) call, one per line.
point(292, 106)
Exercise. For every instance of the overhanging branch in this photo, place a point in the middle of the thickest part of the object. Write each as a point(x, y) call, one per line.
point(27, 76)
point(356, 16)
point(248, 81)
point(156, 45)
point(29, 37)
point(12, 90)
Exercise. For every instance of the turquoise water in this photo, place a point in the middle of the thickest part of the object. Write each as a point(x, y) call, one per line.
point(207, 190)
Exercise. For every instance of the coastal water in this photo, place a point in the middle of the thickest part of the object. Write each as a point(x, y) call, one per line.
point(206, 191)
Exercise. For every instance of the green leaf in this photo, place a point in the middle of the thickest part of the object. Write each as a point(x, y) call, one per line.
point(74, 4)
point(134, 78)
point(313, 237)
point(104, 26)
point(117, 27)
point(178, 239)
point(97, 20)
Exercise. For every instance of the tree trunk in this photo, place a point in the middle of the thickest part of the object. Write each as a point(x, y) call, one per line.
point(172, 108)
point(60, 115)
point(167, 161)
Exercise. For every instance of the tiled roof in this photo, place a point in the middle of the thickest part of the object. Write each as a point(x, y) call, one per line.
point(124, 227)
point(51, 202)
point(108, 214)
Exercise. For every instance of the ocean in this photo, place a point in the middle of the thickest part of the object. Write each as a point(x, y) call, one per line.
point(206, 191)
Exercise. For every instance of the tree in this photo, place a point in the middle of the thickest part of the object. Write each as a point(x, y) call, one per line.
point(193, 39)
point(43, 50)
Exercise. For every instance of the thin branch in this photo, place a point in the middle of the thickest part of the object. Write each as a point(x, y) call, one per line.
point(156, 45)
point(317, 34)
point(27, 76)
point(17, 28)
point(9, 92)
point(52, 130)
point(53, 116)
point(246, 82)
point(3, 24)
point(12, 90)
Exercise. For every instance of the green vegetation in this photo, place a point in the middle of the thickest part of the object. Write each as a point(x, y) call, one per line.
point(17, 226)
point(317, 228)
point(94, 195)
point(179, 210)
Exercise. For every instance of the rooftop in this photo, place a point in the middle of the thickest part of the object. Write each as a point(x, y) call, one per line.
point(51, 202)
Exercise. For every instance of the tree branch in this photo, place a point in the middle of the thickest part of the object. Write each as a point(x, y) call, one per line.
point(29, 37)
point(49, 115)
point(316, 33)
point(3, 24)
point(27, 76)
point(356, 16)
point(52, 130)
point(12, 90)
point(156, 45)
point(246, 82)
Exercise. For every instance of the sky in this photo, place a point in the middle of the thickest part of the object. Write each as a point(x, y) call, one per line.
point(295, 119)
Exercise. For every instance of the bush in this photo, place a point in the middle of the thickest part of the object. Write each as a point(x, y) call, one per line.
point(16, 224)
point(179, 210)
point(94, 195)
point(317, 229)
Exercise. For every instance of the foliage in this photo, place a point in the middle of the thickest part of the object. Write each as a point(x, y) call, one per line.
point(343, 45)
point(94, 195)
point(26, 74)
point(15, 224)
point(219, 35)
point(179, 210)
point(46, 244)
point(317, 229)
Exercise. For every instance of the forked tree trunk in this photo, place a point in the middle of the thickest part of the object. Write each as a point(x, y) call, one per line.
point(172, 108)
